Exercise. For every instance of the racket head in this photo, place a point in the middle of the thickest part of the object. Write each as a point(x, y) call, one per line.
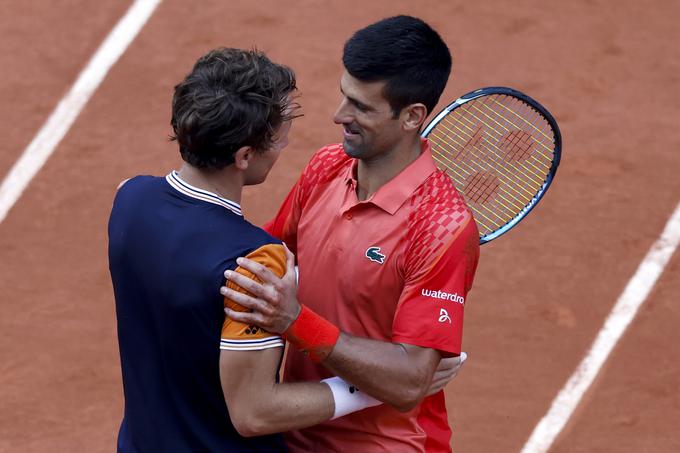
point(501, 148)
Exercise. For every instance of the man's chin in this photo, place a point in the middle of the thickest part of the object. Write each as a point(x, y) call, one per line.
point(351, 150)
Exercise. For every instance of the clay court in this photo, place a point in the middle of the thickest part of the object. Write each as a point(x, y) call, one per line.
point(609, 73)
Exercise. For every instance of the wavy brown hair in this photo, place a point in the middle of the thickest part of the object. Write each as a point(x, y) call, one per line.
point(230, 99)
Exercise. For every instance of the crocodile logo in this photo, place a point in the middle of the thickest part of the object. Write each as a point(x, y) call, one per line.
point(373, 254)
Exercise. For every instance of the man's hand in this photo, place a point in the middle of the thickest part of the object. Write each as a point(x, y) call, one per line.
point(445, 372)
point(273, 303)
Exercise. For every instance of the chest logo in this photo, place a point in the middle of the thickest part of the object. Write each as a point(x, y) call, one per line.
point(373, 254)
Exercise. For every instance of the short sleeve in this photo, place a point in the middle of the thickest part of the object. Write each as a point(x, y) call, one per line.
point(237, 336)
point(431, 306)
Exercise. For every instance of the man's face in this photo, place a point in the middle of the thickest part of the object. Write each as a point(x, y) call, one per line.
point(369, 126)
point(263, 162)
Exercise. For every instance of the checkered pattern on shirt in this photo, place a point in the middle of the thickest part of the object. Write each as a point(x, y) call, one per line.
point(438, 212)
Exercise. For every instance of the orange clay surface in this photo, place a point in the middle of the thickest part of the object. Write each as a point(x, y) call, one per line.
point(608, 71)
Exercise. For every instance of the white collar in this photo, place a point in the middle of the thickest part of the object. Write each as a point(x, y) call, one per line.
point(194, 192)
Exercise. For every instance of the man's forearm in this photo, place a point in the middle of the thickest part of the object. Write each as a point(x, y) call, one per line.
point(285, 407)
point(258, 405)
point(396, 374)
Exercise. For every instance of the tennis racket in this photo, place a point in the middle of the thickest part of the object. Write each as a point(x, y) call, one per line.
point(502, 149)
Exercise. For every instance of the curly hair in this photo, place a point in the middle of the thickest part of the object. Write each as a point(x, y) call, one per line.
point(231, 98)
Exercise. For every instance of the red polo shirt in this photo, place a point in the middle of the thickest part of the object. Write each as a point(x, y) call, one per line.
point(396, 267)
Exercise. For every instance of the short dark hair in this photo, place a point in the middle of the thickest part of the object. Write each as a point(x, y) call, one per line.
point(405, 52)
point(230, 99)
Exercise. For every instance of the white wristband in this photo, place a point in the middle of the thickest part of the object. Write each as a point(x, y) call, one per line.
point(348, 398)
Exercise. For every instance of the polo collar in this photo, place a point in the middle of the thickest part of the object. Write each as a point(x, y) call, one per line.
point(187, 189)
point(397, 190)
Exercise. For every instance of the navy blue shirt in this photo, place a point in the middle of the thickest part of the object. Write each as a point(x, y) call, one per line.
point(169, 244)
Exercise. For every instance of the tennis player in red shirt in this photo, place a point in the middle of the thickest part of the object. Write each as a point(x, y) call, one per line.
point(386, 247)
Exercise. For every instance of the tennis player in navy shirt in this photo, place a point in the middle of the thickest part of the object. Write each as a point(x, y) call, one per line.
point(193, 379)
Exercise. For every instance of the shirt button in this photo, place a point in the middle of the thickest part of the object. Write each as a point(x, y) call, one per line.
point(348, 216)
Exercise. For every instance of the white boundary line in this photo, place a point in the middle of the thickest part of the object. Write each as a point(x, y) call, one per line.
point(70, 106)
point(622, 314)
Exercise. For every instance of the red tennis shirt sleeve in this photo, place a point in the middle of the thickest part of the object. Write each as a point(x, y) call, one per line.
point(431, 306)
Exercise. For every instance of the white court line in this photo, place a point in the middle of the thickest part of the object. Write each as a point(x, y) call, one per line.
point(70, 106)
point(622, 314)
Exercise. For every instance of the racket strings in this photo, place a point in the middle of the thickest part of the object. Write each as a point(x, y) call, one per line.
point(498, 150)
point(488, 146)
point(470, 110)
point(484, 217)
point(456, 127)
point(488, 154)
point(536, 116)
point(463, 176)
point(498, 122)
point(476, 156)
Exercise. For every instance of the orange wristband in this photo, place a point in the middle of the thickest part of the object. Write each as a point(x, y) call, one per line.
point(312, 334)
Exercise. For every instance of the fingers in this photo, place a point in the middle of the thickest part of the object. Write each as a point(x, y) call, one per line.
point(271, 301)
point(448, 364)
point(452, 362)
point(436, 386)
point(447, 370)
point(456, 363)
point(445, 375)
point(440, 380)
point(260, 313)
point(253, 287)
point(245, 317)
point(246, 301)
point(258, 269)
point(290, 261)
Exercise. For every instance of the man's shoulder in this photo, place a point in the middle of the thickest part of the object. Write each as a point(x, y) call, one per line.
point(134, 190)
point(138, 183)
point(260, 237)
point(438, 192)
point(437, 205)
point(138, 180)
point(332, 152)
point(439, 221)
point(237, 231)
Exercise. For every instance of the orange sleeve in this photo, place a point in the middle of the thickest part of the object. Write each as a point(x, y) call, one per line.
point(237, 336)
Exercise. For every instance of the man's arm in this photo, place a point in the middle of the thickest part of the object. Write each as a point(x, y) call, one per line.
point(258, 405)
point(397, 374)
point(249, 358)
point(446, 370)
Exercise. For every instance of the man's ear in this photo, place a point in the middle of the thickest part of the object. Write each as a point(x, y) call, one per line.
point(242, 157)
point(413, 116)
